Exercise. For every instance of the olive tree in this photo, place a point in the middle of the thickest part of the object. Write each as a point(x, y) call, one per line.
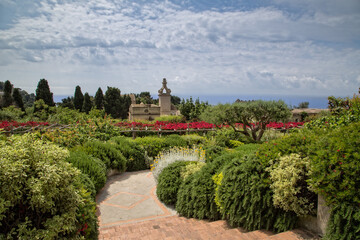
point(247, 118)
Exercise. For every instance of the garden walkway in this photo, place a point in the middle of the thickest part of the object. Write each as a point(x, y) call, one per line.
point(129, 209)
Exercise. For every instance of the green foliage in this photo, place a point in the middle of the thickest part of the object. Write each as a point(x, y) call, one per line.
point(343, 112)
point(344, 223)
point(112, 101)
point(99, 99)
point(235, 143)
point(169, 182)
point(175, 140)
point(43, 92)
point(287, 176)
point(144, 97)
point(170, 118)
point(196, 196)
point(64, 115)
point(87, 105)
point(212, 152)
point(107, 153)
point(78, 98)
point(11, 113)
point(194, 139)
point(93, 167)
point(259, 112)
point(42, 111)
point(134, 154)
point(335, 168)
point(191, 110)
point(246, 198)
point(67, 103)
point(7, 98)
point(41, 195)
point(191, 168)
point(152, 145)
point(88, 184)
point(18, 99)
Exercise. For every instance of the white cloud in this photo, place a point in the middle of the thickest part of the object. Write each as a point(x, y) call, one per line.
point(134, 45)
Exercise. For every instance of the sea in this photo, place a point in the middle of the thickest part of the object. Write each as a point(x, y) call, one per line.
point(291, 101)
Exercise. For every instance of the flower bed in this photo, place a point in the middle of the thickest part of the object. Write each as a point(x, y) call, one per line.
point(196, 125)
point(13, 124)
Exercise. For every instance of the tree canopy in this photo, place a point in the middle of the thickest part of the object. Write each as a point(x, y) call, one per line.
point(254, 116)
point(99, 99)
point(78, 98)
point(43, 92)
point(7, 98)
point(87, 105)
point(18, 99)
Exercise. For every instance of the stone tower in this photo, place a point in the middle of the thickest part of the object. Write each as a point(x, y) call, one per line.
point(165, 99)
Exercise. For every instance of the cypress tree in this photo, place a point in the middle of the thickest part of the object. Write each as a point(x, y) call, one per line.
point(99, 99)
point(87, 104)
point(113, 102)
point(18, 99)
point(43, 92)
point(7, 99)
point(78, 98)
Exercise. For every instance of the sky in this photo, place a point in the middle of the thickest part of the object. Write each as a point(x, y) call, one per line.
point(202, 47)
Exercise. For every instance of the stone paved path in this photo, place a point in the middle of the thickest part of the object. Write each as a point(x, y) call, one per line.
point(129, 209)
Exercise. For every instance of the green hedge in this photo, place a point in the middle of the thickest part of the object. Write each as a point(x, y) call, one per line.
point(152, 145)
point(91, 166)
point(134, 154)
point(169, 182)
point(246, 198)
point(107, 153)
point(196, 196)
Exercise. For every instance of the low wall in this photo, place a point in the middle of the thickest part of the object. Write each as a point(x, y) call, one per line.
point(317, 224)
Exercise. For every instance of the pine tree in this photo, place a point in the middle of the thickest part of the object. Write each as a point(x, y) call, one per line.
point(43, 92)
point(78, 98)
point(7, 99)
point(99, 99)
point(87, 104)
point(18, 99)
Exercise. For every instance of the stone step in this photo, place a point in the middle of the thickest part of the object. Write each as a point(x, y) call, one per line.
point(182, 228)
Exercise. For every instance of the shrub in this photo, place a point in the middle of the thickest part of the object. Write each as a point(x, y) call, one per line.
point(169, 182)
point(196, 196)
point(191, 168)
point(176, 154)
point(235, 143)
point(134, 154)
point(88, 184)
point(194, 139)
point(91, 166)
point(107, 153)
point(212, 151)
point(152, 145)
point(287, 176)
point(344, 222)
point(171, 119)
point(11, 113)
point(175, 140)
point(41, 195)
point(246, 198)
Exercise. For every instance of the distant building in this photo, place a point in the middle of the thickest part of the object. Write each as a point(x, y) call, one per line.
point(298, 113)
point(151, 111)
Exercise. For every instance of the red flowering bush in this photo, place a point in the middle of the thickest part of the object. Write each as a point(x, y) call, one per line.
point(163, 125)
point(14, 124)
